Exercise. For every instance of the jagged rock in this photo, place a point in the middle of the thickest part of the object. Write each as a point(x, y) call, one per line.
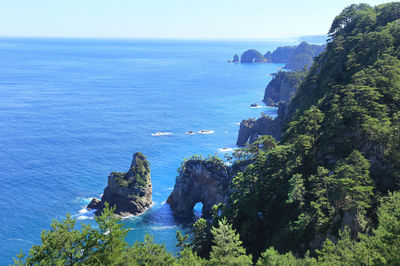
point(251, 129)
point(130, 192)
point(246, 130)
point(252, 56)
point(235, 59)
point(204, 181)
point(94, 204)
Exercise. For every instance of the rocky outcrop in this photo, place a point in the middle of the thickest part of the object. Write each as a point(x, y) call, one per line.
point(130, 192)
point(282, 87)
point(251, 129)
point(235, 59)
point(252, 56)
point(200, 180)
point(295, 57)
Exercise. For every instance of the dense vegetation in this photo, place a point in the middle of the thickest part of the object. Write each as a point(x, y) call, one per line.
point(326, 194)
point(105, 245)
point(339, 153)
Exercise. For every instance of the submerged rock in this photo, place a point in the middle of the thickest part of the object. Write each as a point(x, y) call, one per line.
point(199, 180)
point(130, 192)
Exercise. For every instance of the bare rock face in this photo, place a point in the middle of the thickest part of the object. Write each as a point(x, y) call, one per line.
point(204, 181)
point(130, 192)
point(251, 129)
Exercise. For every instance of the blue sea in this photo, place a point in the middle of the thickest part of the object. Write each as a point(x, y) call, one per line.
point(74, 110)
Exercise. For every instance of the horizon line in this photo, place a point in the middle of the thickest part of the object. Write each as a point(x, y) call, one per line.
point(167, 38)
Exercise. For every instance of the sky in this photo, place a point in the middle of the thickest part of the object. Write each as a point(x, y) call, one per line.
point(177, 19)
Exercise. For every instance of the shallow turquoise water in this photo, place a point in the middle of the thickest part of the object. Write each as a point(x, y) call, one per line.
point(73, 110)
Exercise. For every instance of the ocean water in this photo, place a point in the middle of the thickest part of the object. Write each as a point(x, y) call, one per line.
point(74, 110)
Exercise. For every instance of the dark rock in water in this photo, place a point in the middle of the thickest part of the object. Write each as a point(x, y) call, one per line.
point(252, 56)
point(253, 105)
point(204, 181)
point(94, 204)
point(130, 192)
point(235, 59)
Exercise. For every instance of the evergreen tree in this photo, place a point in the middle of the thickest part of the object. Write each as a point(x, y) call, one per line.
point(227, 248)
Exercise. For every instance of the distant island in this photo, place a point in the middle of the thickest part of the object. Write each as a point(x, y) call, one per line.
point(295, 57)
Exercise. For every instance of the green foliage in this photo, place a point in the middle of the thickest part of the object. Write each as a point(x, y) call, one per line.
point(148, 253)
point(227, 248)
point(138, 173)
point(339, 151)
point(201, 242)
point(65, 245)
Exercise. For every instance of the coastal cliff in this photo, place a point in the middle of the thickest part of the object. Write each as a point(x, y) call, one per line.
point(130, 192)
point(200, 180)
point(295, 57)
point(251, 129)
point(282, 87)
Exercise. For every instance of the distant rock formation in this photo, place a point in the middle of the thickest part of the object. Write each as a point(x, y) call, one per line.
point(235, 59)
point(295, 57)
point(282, 87)
point(130, 192)
point(200, 180)
point(252, 56)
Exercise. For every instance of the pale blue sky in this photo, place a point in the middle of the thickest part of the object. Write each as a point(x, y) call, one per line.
point(187, 19)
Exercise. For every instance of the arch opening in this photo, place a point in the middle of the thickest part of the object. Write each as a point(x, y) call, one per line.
point(198, 209)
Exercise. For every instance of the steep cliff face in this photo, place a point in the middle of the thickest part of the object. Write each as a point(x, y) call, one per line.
point(199, 180)
point(282, 87)
point(251, 129)
point(130, 192)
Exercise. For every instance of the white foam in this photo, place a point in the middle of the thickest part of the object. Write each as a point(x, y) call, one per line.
point(168, 189)
point(161, 228)
point(161, 134)
point(206, 132)
point(225, 149)
point(85, 214)
point(237, 123)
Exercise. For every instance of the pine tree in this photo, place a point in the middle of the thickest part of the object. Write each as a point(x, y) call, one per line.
point(227, 248)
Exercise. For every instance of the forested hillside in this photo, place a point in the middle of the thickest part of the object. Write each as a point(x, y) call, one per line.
point(339, 153)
